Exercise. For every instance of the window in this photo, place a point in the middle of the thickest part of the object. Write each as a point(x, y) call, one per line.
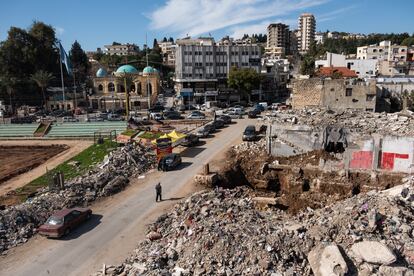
point(348, 92)
point(111, 87)
point(370, 97)
point(100, 87)
point(332, 89)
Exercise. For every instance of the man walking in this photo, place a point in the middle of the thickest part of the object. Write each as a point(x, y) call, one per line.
point(158, 191)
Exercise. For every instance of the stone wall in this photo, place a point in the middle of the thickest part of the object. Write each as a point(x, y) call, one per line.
point(334, 94)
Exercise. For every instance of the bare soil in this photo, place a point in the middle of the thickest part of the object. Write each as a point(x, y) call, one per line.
point(15, 160)
point(21, 161)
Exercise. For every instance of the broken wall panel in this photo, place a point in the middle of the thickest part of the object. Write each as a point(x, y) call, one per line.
point(397, 154)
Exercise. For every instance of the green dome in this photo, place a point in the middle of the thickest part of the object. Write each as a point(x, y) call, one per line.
point(126, 69)
point(149, 70)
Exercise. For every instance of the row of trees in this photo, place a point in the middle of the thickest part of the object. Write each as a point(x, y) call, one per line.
point(29, 63)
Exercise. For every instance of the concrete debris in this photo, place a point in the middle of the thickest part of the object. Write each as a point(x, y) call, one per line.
point(18, 223)
point(222, 232)
point(400, 124)
point(327, 261)
point(374, 252)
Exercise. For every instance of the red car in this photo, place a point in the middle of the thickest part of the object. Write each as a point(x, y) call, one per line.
point(64, 221)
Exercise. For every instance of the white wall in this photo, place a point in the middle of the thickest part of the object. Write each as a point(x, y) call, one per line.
point(365, 68)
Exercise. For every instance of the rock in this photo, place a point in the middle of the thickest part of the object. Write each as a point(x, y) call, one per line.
point(374, 252)
point(327, 260)
point(395, 271)
point(153, 236)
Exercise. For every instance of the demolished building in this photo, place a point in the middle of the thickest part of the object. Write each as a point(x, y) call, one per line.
point(336, 94)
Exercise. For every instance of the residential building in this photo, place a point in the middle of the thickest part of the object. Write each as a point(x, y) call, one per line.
point(383, 51)
point(334, 94)
point(363, 68)
point(307, 25)
point(293, 39)
point(277, 37)
point(121, 49)
point(319, 38)
point(168, 50)
point(202, 67)
point(276, 76)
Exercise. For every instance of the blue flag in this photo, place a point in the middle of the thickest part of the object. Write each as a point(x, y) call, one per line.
point(65, 59)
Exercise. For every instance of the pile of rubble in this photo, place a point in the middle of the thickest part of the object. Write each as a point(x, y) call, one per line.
point(18, 223)
point(223, 232)
point(401, 124)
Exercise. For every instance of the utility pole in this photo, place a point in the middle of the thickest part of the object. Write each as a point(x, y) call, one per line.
point(148, 84)
point(74, 88)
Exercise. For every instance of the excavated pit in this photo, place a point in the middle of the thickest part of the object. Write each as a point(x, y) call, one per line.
point(298, 182)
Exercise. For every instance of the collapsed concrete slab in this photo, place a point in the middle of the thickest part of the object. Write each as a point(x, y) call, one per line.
point(374, 252)
point(327, 260)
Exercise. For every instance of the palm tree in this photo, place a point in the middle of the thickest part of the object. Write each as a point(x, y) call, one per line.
point(42, 79)
point(10, 84)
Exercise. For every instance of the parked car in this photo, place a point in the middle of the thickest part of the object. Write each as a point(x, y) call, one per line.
point(172, 115)
point(252, 114)
point(196, 115)
point(202, 132)
point(210, 127)
point(68, 119)
point(249, 133)
point(226, 118)
point(114, 117)
point(170, 162)
point(156, 108)
point(156, 116)
point(64, 221)
point(259, 107)
point(190, 140)
point(218, 123)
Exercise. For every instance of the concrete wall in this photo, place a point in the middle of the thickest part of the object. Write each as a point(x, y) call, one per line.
point(333, 94)
point(389, 153)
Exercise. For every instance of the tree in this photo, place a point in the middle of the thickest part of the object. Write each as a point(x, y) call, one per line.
point(127, 79)
point(79, 62)
point(307, 66)
point(408, 41)
point(23, 53)
point(42, 79)
point(243, 80)
point(155, 44)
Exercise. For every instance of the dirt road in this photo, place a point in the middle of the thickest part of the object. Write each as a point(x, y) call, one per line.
point(119, 222)
point(20, 180)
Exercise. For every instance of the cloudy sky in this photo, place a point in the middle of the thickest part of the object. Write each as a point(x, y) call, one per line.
point(96, 23)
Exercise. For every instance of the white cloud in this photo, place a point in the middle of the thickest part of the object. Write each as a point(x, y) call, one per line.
point(334, 14)
point(59, 30)
point(195, 17)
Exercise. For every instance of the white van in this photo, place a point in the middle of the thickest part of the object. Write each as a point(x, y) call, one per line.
point(264, 104)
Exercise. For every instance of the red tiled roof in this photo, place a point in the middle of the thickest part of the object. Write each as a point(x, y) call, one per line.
point(329, 71)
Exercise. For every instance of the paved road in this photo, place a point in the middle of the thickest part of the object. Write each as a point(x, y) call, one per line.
point(110, 236)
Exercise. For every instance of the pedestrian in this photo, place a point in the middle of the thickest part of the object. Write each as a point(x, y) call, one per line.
point(158, 190)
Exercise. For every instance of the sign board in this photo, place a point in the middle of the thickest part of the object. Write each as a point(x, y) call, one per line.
point(211, 93)
point(164, 147)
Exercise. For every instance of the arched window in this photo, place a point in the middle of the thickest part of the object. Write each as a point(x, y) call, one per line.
point(100, 87)
point(111, 87)
point(149, 89)
point(132, 88)
point(121, 88)
point(139, 89)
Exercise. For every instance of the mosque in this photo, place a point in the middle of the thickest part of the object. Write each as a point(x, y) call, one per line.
point(109, 89)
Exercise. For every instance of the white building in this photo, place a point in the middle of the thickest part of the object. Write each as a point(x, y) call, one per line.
point(307, 25)
point(121, 49)
point(384, 51)
point(168, 50)
point(203, 66)
point(319, 38)
point(363, 68)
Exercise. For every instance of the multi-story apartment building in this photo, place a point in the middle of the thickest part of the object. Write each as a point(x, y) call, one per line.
point(306, 34)
point(202, 66)
point(121, 49)
point(384, 51)
point(168, 51)
point(277, 38)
